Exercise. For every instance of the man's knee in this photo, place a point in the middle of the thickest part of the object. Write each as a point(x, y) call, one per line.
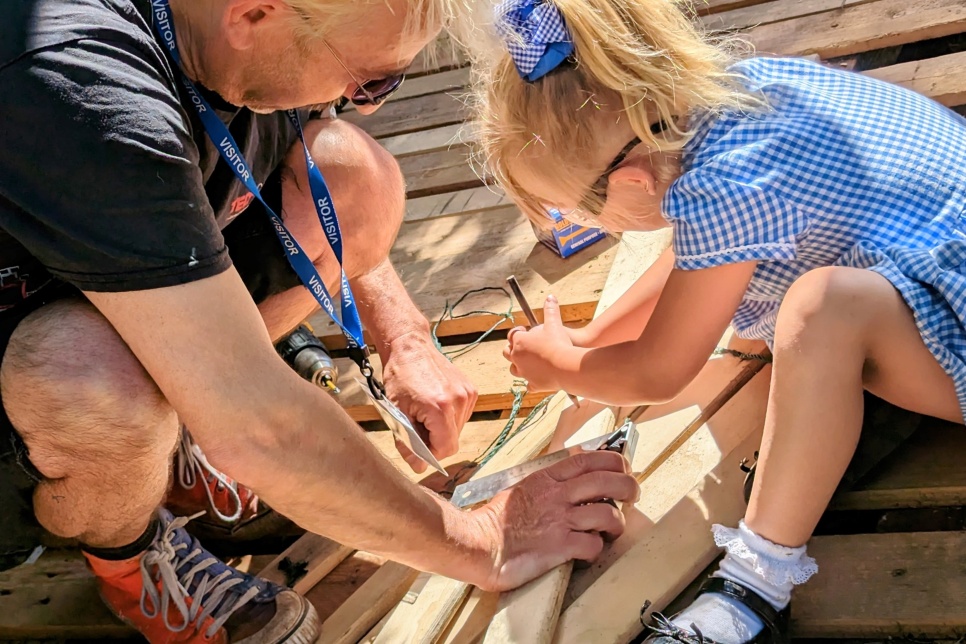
point(358, 164)
point(72, 388)
point(368, 190)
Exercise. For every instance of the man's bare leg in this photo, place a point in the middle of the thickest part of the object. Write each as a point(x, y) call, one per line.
point(101, 434)
point(96, 426)
point(369, 197)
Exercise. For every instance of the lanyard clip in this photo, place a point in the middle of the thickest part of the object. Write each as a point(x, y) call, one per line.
point(360, 356)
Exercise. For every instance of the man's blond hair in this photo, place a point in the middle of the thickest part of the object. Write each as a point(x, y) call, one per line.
point(319, 16)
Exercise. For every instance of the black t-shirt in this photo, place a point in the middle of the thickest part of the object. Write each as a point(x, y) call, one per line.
point(107, 178)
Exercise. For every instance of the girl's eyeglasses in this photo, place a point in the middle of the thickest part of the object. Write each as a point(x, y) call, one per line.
point(596, 195)
point(372, 92)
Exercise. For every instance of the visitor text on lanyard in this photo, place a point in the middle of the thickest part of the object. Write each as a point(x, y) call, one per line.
point(349, 321)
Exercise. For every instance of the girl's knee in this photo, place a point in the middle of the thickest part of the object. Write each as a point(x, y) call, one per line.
point(830, 304)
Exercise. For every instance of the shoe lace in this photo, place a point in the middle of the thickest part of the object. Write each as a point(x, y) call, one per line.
point(210, 594)
point(192, 466)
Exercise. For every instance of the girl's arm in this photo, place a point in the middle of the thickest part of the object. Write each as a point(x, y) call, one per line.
point(626, 318)
point(691, 315)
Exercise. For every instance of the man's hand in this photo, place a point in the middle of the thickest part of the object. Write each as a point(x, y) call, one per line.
point(431, 391)
point(534, 354)
point(555, 515)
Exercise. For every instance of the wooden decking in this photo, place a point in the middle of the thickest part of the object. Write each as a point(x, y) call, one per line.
point(891, 550)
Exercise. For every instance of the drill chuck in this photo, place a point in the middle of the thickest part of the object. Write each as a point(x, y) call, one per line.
point(306, 354)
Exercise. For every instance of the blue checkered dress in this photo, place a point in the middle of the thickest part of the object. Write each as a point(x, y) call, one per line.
point(843, 170)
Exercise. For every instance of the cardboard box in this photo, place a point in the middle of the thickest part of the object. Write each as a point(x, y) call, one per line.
point(566, 238)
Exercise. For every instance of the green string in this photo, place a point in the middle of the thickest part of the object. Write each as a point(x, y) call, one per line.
point(518, 389)
point(761, 357)
point(449, 313)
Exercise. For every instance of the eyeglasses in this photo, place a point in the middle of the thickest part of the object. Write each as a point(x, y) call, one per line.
point(372, 92)
point(596, 195)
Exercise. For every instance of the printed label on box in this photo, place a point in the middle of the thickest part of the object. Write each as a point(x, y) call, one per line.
point(566, 238)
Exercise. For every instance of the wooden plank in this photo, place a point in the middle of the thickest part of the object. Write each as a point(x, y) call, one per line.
point(861, 27)
point(484, 366)
point(884, 585)
point(404, 605)
point(703, 438)
point(927, 472)
point(766, 13)
point(438, 82)
point(368, 605)
point(705, 7)
point(677, 543)
point(429, 616)
point(439, 260)
point(305, 563)
point(410, 115)
point(664, 428)
point(471, 622)
point(345, 580)
point(435, 140)
point(55, 598)
point(463, 202)
point(529, 614)
point(635, 254)
point(942, 79)
point(439, 172)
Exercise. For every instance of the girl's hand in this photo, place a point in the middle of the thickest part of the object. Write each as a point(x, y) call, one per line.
point(534, 354)
point(580, 337)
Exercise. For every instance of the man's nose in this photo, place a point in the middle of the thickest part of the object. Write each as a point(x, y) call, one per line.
point(365, 110)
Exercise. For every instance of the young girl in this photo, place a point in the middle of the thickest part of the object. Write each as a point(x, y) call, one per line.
point(819, 210)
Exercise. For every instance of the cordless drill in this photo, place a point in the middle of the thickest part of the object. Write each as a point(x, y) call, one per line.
point(305, 353)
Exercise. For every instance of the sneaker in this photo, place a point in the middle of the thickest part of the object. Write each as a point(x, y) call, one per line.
point(200, 487)
point(176, 591)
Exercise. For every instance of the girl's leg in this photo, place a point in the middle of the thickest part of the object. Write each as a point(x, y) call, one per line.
point(840, 330)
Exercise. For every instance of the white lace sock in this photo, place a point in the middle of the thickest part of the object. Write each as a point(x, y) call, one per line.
point(756, 563)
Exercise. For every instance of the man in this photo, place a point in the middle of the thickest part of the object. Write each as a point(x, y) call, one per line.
point(109, 188)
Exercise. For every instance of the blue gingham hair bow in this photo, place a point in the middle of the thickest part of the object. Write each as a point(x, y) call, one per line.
point(536, 36)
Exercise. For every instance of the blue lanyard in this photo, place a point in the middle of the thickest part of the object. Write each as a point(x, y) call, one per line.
point(350, 323)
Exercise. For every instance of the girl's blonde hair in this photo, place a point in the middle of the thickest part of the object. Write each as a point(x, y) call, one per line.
point(639, 60)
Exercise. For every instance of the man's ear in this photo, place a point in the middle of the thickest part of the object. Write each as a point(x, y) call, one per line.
point(637, 172)
point(243, 18)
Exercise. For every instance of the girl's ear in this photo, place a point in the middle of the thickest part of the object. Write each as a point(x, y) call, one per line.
point(638, 172)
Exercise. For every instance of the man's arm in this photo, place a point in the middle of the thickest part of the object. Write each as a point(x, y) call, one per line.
point(421, 380)
point(207, 349)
